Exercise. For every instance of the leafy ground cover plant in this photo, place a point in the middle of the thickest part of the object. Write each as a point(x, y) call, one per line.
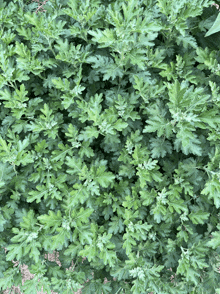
point(109, 146)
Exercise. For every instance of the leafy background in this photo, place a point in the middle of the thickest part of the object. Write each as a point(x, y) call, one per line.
point(112, 126)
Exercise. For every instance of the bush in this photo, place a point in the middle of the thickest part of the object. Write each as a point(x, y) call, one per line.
point(109, 145)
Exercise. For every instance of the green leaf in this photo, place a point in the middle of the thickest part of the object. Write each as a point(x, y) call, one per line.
point(109, 257)
point(61, 239)
point(10, 278)
point(119, 125)
point(199, 216)
point(116, 225)
point(79, 195)
point(215, 241)
point(128, 243)
point(73, 249)
point(215, 27)
point(51, 221)
point(103, 178)
point(212, 188)
point(88, 133)
point(85, 236)
point(34, 286)
point(177, 205)
point(33, 251)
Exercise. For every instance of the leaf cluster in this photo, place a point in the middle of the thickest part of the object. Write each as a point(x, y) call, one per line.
point(109, 150)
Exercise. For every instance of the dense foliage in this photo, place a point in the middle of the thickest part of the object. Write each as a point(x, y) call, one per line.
point(109, 145)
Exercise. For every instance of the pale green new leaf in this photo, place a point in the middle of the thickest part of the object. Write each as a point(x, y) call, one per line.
point(215, 27)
